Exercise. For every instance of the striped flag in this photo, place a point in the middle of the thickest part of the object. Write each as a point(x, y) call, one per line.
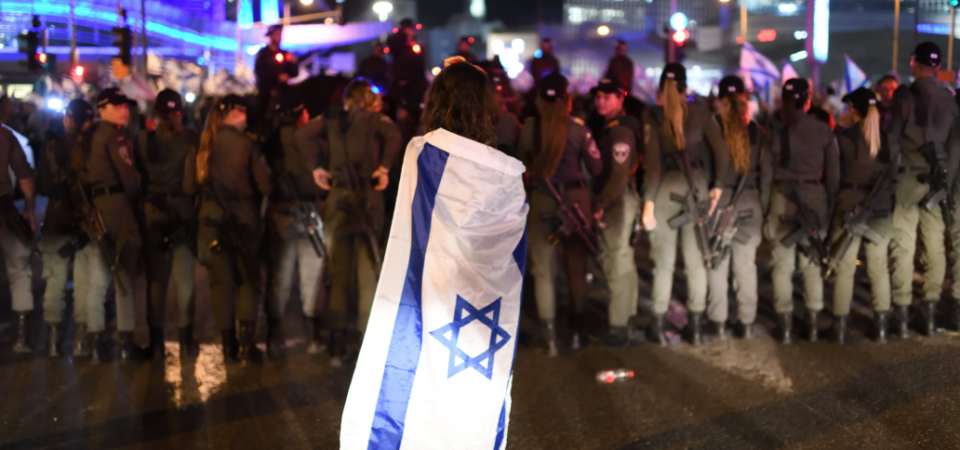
point(437, 359)
point(853, 77)
point(788, 73)
point(759, 73)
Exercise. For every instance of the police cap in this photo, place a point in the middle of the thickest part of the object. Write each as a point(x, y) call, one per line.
point(731, 84)
point(861, 100)
point(608, 86)
point(168, 101)
point(79, 110)
point(112, 96)
point(553, 87)
point(674, 71)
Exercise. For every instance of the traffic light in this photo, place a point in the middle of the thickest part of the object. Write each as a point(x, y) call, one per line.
point(124, 43)
point(48, 61)
point(29, 41)
point(680, 39)
point(954, 3)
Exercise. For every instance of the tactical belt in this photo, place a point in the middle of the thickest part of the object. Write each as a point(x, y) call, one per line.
point(913, 169)
point(105, 190)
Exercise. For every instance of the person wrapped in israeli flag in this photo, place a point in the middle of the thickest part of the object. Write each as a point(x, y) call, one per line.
point(436, 363)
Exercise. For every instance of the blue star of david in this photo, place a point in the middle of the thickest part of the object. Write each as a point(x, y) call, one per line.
point(489, 316)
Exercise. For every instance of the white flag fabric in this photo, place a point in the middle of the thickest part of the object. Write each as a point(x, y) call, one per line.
point(788, 73)
point(437, 360)
point(756, 69)
point(853, 77)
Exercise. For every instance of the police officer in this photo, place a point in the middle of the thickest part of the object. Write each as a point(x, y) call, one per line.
point(61, 237)
point(749, 164)
point(13, 243)
point(274, 68)
point(675, 125)
point(806, 169)
point(363, 144)
point(924, 113)
point(552, 146)
point(289, 249)
point(233, 178)
point(106, 170)
point(620, 67)
point(616, 205)
point(544, 64)
point(375, 67)
point(865, 157)
point(167, 158)
point(508, 127)
point(463, 50)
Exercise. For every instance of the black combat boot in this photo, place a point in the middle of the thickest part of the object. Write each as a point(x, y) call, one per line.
point(696, 331)
point(101, 347)
point(54, 340)
point(812, 329)
point(903, 321)
point(616, 337)
point(840, 329)
point(81, 345)
point(880, 321)
point(129, 350)
point(230, 344)
point(248, 352)
point(716, 331)
point(656, 332)
point(276, 347)
point(785, 320)
point(22, 345)
point(337, 348)
point(576, 326)
point(930, 318)
point(188, 347)
point(311, 331)
point(955, 315)
point(746, 330)
point(550, 337)
point(156, 349)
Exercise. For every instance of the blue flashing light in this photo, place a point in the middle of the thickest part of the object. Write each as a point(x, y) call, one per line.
point(679, 21)
point(375, 89)
point(538, 54)
point(201, 60)
point(85, 11)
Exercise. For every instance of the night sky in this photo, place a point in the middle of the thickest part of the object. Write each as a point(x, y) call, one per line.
point(513, 13)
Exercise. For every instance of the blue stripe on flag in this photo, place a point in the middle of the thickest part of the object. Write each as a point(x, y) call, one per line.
point(520, 256)
point(404, 354)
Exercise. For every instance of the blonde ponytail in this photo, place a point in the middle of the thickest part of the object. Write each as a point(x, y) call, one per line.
point(733, 111)
point(209, 136)
point(871, 130)
point(674, 111)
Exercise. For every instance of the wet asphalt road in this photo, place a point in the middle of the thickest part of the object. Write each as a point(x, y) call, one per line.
point(725, 395)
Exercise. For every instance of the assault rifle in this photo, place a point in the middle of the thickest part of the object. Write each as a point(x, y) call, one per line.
point(855, 223)
point(572, 222)
point(725, 226)
point(229, 235)
point(939, 185)
point(306, 213)
point(359, 220)
point(96, 230)
point(808, 226)
point(695, 209)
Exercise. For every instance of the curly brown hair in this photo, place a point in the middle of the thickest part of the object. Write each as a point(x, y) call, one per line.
point(461, 102)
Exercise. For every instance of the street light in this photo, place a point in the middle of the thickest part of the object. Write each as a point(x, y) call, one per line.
point(306, 2)
point(603, 30)
point(382, 9)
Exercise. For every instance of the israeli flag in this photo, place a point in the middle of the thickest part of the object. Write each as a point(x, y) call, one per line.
point(853, 77)
point(437, 359)
point(789, 73)
point(757, 71)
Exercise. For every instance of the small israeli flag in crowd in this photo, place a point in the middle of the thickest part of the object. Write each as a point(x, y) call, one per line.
point(437, 360)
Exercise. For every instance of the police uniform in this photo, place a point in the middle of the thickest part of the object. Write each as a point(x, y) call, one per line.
point(508, 132)
point(923, 112)
point(289, 250)
point(663, 179)
point(617, 198)
point(751, 206)
point(168, 163)
point(237, 179)
point(112, 184)
point(860, 172)
point(568, 180)
point(61, 237)
point(620, 69)
point(367, 141)
point(806, 168)
point(16, 253)
point(270, 63)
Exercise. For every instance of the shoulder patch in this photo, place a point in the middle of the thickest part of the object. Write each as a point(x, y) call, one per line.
point(621, 151)
point(125, 155)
